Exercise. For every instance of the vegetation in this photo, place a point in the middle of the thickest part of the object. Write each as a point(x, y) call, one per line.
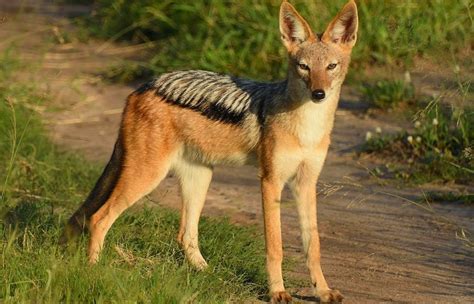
point(449, 197)
point(439, 148)
point(32, 167)
point(142, 262)
point(387, 94)
point(40, 186)
point(241, 37)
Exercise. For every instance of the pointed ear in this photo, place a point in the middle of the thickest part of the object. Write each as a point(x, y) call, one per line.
point(293, 28)
point(343, 29)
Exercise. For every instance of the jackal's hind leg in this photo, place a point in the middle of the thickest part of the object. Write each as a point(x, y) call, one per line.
point(134, 183)
point(194, 181)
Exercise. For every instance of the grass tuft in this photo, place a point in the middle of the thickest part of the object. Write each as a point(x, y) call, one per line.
point(388, 94)
point(450, 197)
point(439, 148)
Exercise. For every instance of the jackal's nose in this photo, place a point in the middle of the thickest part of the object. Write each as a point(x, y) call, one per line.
point(318, 94)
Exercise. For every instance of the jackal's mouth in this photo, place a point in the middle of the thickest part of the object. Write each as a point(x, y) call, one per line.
point(316, 100)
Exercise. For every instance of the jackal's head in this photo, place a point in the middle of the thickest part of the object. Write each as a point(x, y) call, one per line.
point(318, 63)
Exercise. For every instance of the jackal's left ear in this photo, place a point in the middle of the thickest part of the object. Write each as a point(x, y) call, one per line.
point(343, 28)
point(293, 28)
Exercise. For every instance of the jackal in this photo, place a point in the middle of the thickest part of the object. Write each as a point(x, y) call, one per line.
point(191, 121)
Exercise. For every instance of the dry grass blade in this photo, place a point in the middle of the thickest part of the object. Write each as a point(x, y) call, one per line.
point(127, 256)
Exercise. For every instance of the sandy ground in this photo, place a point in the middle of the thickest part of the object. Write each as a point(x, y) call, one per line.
point(379, 245)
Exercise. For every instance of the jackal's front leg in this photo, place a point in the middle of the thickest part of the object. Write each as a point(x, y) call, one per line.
point(304, 190)
point(271, 193)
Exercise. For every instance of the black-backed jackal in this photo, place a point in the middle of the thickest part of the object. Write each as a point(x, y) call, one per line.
point(190, 121)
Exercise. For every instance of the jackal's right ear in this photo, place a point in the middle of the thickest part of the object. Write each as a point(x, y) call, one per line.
point(293, 28)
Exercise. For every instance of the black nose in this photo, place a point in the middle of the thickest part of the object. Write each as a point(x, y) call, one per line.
point(319, 94)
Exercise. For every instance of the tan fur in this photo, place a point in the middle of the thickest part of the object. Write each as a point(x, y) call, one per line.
point(158, 136)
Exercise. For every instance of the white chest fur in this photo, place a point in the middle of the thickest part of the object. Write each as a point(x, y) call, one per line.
point(312, 122)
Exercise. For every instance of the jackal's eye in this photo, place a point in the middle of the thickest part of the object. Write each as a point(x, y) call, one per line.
point(303, 66)
point(332, 66)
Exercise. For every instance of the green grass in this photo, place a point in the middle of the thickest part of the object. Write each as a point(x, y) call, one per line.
point(33, 167)
point(141, 262)
point(242, 37)
point(388, 94)
point(450, 197)
point(439, 148)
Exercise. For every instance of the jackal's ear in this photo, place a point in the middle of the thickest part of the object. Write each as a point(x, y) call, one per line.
point(293, 28)
point(343, 28)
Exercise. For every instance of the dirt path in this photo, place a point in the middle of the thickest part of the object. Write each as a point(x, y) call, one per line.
point(378, 245)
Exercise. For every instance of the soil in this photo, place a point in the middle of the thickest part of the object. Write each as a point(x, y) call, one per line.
point(380, 242)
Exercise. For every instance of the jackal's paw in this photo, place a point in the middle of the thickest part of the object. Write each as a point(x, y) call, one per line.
point(200, 265)
point(93, 259)
point(197, 261)
point(280, 297)
point(93, 255)
point(330, 296)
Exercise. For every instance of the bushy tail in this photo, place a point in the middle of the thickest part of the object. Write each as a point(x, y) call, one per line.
point(97, 197)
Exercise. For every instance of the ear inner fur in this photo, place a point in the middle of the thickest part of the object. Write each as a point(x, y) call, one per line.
point(293, 28)
point(343, 28)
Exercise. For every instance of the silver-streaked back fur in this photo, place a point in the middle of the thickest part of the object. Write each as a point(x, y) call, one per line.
point(217, 96)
